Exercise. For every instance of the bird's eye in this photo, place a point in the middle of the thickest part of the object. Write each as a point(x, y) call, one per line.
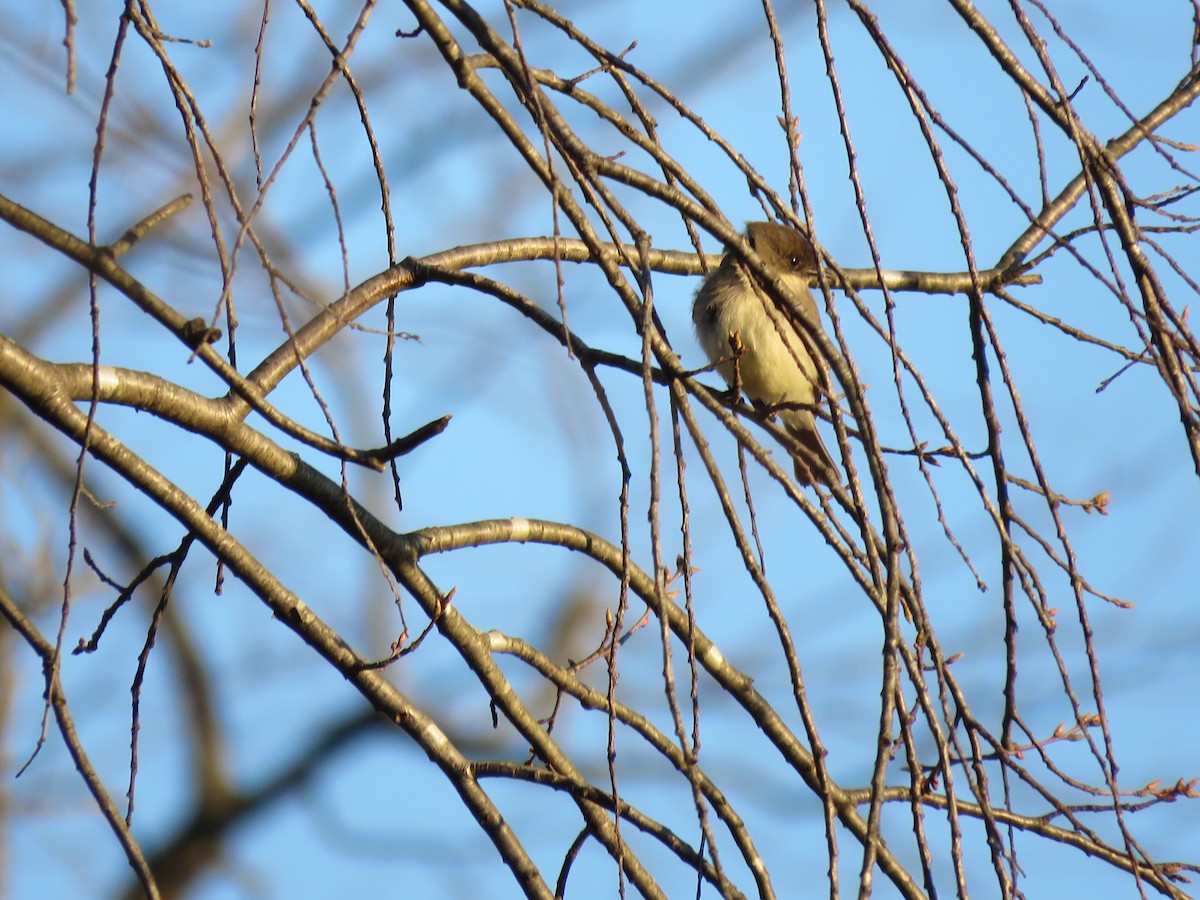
point(795, 261)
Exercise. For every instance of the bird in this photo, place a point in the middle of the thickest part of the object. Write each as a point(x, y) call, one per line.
point(758, 347)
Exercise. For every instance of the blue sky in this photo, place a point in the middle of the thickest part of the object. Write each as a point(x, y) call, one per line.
point(527, 438)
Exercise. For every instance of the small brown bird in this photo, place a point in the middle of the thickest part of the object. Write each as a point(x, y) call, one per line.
point(775, 364)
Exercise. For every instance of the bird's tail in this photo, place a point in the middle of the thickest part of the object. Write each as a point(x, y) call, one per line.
point(813, 464)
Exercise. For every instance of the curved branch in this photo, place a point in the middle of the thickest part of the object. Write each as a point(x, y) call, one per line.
point(56, 407)
point(66, 725)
